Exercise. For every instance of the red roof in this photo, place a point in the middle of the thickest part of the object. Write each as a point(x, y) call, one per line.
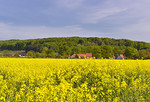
point(121, 55)
point(81, 55)
point(88, 54)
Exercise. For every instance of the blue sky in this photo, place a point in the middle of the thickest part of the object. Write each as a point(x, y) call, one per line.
point(29, 19)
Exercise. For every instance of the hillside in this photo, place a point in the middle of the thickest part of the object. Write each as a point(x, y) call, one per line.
point(65, 46)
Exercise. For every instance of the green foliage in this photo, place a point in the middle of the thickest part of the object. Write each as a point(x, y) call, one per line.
point(75, 45)
point(81, 42)
point(131, 52)
point(43, 54)
point(117, 51)
point(5, 52)
point(30, 54)
point(16, 55)
point(97, 52)
point(142, 54)
point(51, 53)
point(107, 51)
point(38, 54)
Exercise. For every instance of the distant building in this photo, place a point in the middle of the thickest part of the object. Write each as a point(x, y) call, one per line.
point(10, 55)
point(22, 54)
point(81, 56)
point(121, 56)
point(114, 57)
point(73, 56)
point(87, 55)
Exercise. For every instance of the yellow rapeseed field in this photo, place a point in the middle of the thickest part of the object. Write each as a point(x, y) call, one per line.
point(74, 80)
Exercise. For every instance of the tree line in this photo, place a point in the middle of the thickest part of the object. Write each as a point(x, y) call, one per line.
point(66, 46)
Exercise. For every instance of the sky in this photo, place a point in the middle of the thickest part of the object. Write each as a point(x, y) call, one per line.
point(30, 19)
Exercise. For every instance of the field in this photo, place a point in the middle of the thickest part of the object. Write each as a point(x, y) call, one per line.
point(74, 80)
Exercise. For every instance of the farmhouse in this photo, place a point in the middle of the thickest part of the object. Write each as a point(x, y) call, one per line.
point(114, 57)
point(87, 55)
point(121, 56)
point(22, 54)
point(73, 56)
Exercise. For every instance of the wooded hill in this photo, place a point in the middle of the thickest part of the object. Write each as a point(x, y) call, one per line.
point(65, 46)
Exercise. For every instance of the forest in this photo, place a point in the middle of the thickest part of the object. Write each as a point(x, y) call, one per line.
point(66, 46)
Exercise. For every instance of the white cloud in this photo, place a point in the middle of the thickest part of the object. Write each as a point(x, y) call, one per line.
point(139, 31)
point(9, 31)
point(96, 14)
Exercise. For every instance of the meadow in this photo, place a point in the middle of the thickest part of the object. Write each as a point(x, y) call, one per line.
point(74, 80)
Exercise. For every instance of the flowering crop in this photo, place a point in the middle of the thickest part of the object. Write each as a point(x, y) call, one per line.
point(72, 80)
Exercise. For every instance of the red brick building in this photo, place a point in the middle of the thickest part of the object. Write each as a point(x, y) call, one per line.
point(87, 55)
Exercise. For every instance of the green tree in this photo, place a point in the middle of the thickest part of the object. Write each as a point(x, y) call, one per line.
point(96, 52)
point(38, 54)
point(142, 54)
point(43, 54)
point(30, 54)
point(5, 52)
point(51, 53)
point(19, 46)
point(63, 49)
point(45, 49)
point(117, 51)
point(107, 51)
point(76, 50)
point(16, 55)
point(129, 43)
point(131, 53)
point(81, 41)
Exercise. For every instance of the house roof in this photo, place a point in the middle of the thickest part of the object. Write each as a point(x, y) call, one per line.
point(72, 56)
point(89, 54)
point(114, 56)
point(22, 53)
point(81, 55)
point(121, 55)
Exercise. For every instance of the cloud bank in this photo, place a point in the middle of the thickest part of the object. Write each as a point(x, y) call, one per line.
point(25, 19)
point(9, 31)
